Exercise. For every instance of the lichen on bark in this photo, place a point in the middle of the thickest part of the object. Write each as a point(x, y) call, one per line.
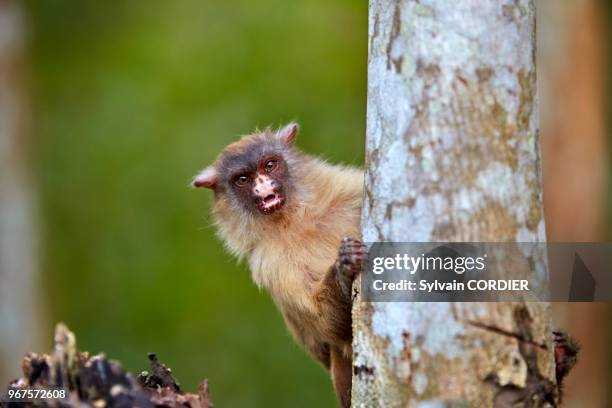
point(452, 155)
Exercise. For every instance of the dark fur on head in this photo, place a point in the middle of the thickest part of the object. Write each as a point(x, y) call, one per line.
point(254, 174)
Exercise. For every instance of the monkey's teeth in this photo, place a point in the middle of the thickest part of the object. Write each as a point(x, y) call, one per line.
point(271, 202)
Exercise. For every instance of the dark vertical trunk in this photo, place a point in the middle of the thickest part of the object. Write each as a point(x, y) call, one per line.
point(18, 257)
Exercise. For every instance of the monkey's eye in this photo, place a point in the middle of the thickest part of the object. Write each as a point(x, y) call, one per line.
point(241, 180)
point(271, 165)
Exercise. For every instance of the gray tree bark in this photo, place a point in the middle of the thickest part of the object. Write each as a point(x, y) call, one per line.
point(452, 155)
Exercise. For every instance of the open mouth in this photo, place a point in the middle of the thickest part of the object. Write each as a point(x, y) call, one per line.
point(271, 203)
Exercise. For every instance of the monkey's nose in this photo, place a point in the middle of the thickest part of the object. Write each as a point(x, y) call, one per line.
point(263, 190)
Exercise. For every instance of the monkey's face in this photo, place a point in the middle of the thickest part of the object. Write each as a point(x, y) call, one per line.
point(253, 174)
point(258, 182)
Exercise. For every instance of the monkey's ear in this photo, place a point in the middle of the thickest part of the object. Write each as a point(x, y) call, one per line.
point(206, 178)
point(288, 133)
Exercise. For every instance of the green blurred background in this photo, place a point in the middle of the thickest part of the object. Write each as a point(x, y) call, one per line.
point(132, 99)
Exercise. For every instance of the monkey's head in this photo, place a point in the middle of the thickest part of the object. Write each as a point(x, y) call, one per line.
point(253, 174)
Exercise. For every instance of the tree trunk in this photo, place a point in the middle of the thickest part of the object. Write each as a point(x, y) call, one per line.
point(18, 261)
point(573, 74)
point(452, 155)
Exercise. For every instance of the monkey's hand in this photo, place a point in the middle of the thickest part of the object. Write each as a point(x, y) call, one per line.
point(566, 354)
point(352, 256)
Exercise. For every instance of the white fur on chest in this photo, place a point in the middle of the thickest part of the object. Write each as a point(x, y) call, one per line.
point(292, 272)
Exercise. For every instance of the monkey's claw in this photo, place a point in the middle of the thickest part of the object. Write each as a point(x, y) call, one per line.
point(352, 256)
point(566, 353)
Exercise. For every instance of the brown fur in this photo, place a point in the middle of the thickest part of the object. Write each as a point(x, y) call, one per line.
point(291, 253)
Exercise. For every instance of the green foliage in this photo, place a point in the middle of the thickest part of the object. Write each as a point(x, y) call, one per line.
point(131, 99)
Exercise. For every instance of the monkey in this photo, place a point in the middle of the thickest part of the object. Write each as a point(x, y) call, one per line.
point(294, 219)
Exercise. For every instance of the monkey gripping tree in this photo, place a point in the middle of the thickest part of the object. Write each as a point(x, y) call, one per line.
point(452, 155)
